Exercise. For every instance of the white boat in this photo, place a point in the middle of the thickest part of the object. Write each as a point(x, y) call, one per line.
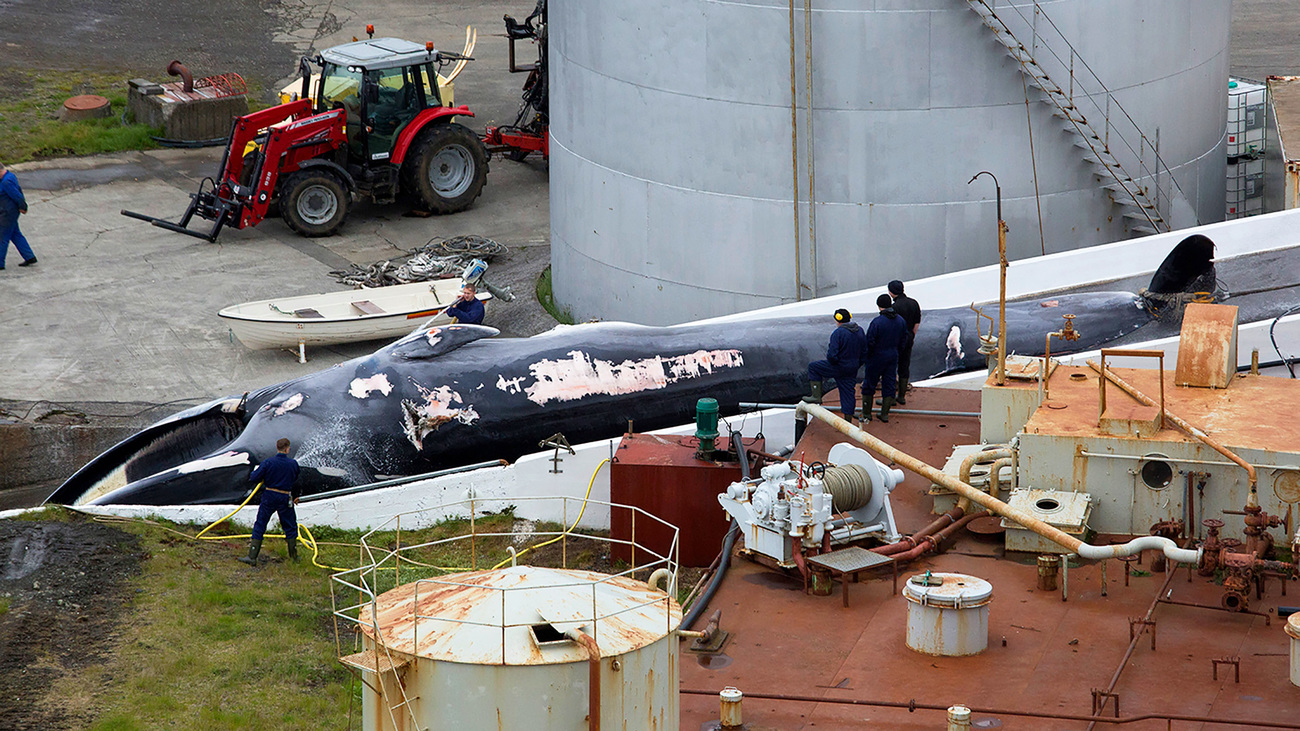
point(340, 317)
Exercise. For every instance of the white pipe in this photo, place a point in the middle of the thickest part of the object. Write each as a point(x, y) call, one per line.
point(1180, 460)
point(847, 534)
point(994, 505)
point(663, 575)
point(1137, 545)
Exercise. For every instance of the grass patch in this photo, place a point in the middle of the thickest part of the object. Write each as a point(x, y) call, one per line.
point(29, 105)
point(4, 605)
point(546, 297)
point(208, 642)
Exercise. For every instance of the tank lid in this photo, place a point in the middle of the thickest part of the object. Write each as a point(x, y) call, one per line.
point(948, 590)
point(518, 616)
point(1293, 626)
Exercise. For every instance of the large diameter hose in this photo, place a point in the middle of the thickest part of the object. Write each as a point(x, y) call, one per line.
point(994, 505)
point(702, 601)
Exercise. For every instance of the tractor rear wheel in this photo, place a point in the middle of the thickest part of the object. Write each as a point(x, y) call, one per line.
point(314, 203)
point(448, 168)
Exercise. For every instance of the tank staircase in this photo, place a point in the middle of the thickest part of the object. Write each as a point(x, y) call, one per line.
point(1082, 104)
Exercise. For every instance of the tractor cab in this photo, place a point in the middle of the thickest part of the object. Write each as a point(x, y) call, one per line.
point(382, 84)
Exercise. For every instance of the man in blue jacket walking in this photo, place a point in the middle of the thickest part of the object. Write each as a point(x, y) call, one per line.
point(12, 204)
point(843, 359)
point(279, 477)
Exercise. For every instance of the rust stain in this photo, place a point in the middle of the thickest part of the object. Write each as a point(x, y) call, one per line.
point(1080, 469)
point(460, 617)
point(1236, 417)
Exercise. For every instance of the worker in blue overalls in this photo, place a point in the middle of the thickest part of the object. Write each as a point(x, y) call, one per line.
point(12, 204)
point(886, 336)
point(843, 359)
point(279, 477)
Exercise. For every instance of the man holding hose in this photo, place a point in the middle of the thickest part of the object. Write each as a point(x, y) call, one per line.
point(279, 477)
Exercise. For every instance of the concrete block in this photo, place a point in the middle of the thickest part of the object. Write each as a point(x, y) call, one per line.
point(145, 86)
point(85, 106)
point(33, 453)
point(197, 115)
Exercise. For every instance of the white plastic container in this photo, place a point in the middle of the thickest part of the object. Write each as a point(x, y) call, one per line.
point(949, 615)
point(1247, 118)
point(1293, 631)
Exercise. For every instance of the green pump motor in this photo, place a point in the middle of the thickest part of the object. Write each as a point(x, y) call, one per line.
point(706, 426)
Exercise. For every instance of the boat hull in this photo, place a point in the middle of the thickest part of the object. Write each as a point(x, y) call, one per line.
point(340, 317)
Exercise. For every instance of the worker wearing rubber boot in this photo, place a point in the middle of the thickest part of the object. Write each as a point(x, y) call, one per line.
point(279, 477)
point(910, 310)
point(843, 359)
point(885, 337)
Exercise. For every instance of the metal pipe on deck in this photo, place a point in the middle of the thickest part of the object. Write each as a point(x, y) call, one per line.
point(994, 505)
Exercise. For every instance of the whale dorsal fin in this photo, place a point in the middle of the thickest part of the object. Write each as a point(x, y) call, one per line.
point(438, 340)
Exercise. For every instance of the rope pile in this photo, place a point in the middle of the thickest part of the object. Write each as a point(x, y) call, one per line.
point(437, 259)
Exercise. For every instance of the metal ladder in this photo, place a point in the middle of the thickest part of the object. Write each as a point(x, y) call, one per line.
point(1132, 196)
point(378, 663)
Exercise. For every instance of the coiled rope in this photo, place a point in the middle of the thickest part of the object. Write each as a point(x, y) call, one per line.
point(848, 485)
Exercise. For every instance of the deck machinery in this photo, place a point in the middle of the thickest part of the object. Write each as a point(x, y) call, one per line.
point(1187, 454)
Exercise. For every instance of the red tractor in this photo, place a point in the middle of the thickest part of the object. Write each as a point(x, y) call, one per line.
point(376, 127)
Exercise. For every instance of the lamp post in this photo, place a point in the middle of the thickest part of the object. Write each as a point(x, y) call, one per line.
point(1002, 293)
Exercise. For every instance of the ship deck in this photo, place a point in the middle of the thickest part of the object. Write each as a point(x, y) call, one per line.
point(1045, 654)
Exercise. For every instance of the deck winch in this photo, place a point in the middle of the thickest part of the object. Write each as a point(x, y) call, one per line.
point(843, 502)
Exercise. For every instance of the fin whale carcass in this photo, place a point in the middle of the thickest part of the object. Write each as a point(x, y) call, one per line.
point(455, 395)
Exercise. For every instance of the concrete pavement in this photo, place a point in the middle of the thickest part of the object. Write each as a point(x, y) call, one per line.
point(118, 310)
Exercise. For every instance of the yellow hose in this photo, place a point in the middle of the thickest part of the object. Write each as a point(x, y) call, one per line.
point(568, 530)
point(310, 540)
point(226, 517)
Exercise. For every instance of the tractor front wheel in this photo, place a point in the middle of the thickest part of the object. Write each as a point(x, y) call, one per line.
point(314, 203)
point(448, 168)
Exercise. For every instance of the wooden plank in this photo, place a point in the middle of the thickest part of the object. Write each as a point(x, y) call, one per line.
point(374, 662)
point(368, 307)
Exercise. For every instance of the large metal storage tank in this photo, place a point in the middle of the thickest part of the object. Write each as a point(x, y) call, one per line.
point(486, 650)
point(671, 159)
